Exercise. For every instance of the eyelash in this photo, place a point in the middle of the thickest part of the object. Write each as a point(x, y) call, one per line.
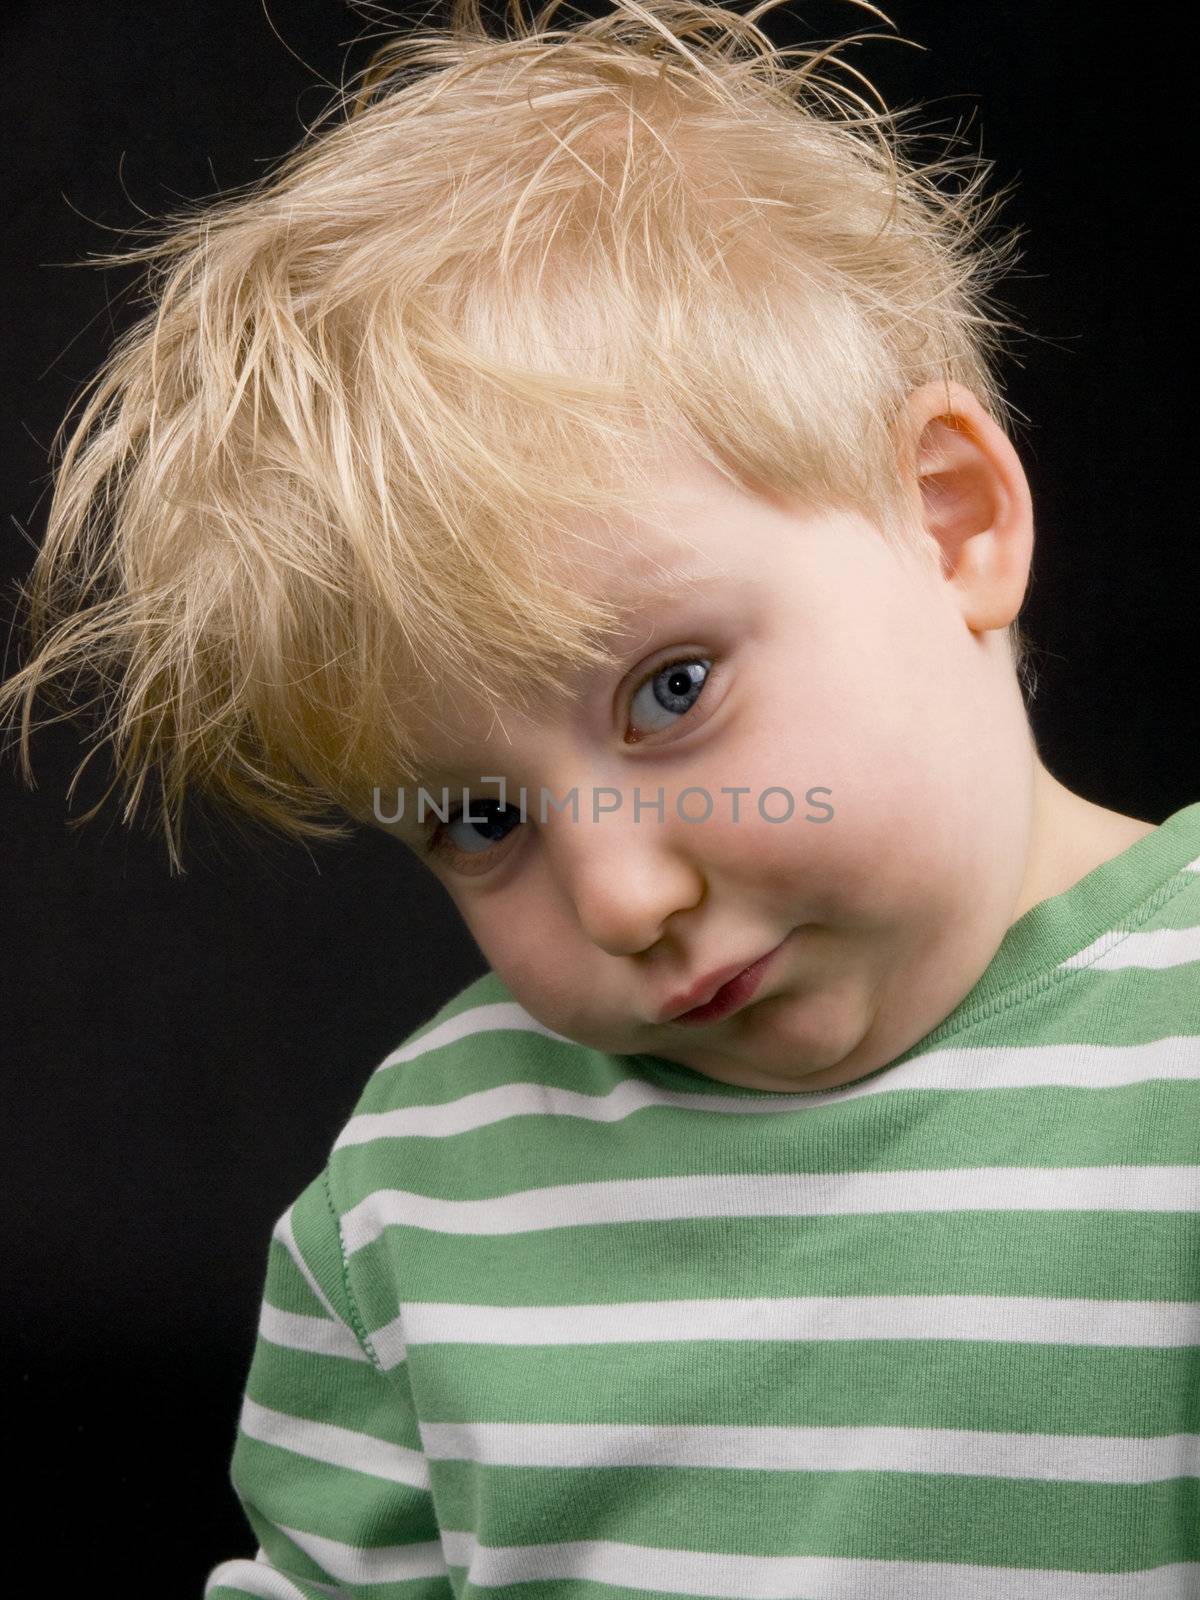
point(438, 842)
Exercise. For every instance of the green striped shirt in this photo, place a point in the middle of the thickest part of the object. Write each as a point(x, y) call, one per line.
point(554, 1323)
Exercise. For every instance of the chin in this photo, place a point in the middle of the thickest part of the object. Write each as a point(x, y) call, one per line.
point(789, 1042)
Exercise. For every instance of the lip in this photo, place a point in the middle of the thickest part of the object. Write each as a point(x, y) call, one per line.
point(724, 990)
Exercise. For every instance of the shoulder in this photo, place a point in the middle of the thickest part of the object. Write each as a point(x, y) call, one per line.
point(483, 1007)
point(481, 1023)
point(1138, 983)
point(434, 1118)
point(479, 1039)
point(1163, 936)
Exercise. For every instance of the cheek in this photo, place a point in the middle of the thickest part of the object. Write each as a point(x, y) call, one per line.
point(868, 737)
point(540, 970)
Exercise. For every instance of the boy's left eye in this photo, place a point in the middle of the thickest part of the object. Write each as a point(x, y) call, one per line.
point(669, 692)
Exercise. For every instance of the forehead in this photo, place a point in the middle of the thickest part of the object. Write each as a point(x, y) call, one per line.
point(646, 592)
point(681, 551)
point(686, 530)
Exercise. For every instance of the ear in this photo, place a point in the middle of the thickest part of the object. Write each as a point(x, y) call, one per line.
point(972, 497)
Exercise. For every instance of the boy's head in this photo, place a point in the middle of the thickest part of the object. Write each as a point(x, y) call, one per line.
point(398, 409)
point(809, 743)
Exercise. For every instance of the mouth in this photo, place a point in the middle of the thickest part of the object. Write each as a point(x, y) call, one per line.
point(731, 996)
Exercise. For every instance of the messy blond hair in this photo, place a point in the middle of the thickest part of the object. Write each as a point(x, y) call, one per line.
point(334, 464)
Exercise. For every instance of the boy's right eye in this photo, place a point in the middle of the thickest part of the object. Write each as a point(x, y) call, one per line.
point(489, 826)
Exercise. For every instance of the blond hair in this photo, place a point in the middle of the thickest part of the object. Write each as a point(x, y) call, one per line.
point(333, 466)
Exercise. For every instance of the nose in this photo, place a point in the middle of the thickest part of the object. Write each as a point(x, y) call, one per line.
point(624, 875)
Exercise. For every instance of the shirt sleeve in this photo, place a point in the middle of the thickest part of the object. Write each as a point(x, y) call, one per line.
point(327, 1463)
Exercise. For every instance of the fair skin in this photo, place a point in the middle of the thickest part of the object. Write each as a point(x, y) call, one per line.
point(819, 661)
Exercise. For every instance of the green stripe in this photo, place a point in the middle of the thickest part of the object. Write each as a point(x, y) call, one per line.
point(887, 1383)
point(885, 1516)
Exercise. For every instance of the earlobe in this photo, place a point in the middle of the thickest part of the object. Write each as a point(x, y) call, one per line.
point(974, 502)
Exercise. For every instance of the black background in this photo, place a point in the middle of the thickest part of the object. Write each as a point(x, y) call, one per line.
point(181, 1052)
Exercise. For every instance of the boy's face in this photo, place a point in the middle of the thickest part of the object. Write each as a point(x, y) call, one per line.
point(807, 657)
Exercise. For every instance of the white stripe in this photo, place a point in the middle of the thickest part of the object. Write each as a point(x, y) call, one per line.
point(260, 1579)
point(694, 1572)
point(957, 1067)
point(503, 1014)
point(1056, 1458)
point(284, 1231)
point(336, 1446)
point(1155, 948)
point(1002, 1319)
point(320, 1336)
point(779, 1194)
point(389, 1344)
point(356, 1564)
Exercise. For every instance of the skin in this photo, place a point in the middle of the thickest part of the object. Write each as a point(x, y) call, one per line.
point(836, 666)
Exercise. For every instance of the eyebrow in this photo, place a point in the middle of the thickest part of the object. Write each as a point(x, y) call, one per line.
point(673, 588)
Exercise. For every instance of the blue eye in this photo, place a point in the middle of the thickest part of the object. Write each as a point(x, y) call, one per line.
point(486, 829)
point(671, 691)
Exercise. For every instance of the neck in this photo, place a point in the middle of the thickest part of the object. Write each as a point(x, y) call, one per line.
point(1069, 837)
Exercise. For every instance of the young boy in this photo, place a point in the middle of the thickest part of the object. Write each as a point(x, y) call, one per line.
point(595, 436)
